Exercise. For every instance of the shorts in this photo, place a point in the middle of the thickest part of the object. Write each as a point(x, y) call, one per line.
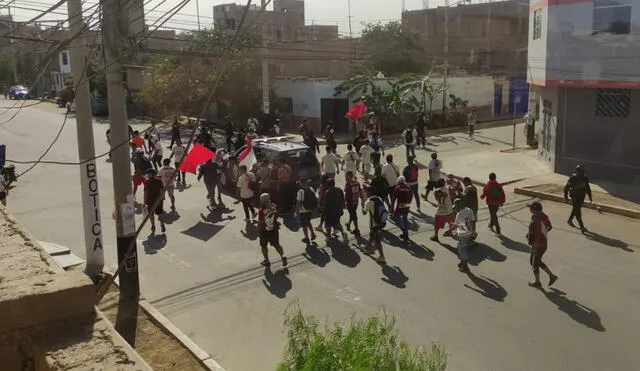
point(536, 256)
point(269, 237)
point(431, 184)
point(3, 195)
point(353, 213)
point(463, 247)
point(442, 220)
point(159, 210)
point(138, 180)
point(304, 219)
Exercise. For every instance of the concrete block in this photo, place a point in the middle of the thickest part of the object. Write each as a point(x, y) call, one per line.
point(68, 260)
point(54, 249)
point(44, 299)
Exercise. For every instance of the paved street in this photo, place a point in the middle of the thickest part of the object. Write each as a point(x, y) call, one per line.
point(207, 279)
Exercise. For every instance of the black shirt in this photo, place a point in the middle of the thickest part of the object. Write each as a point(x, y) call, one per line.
point(379, 186)
point(152, 190)
point(334, 202)
point(209, 171)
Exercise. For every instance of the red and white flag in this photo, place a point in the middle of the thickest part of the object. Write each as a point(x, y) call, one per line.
point(247, 157)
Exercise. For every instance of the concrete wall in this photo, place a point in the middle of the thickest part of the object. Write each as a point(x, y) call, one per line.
point(547, 124)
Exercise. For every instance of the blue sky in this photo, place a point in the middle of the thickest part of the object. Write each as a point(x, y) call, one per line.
point(333, 12)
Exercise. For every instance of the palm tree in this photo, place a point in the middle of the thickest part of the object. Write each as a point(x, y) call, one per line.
point(428, 89)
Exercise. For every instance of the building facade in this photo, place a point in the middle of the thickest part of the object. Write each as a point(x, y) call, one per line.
point(583, 62)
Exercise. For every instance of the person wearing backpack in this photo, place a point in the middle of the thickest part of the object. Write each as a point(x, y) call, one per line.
point(577, 188)
point(306, 203)
point(141, 163)
point(334, 208)
point(410, 136)
point(378, 149)
point(411, 173)
point(401, 203)
point(269, 229)
point(378, 215)
point(353, 197)
point(495, 197)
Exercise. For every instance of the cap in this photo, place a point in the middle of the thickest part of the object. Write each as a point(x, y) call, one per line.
point(402, 179)
point(457, 200)
point(265, 198)
point(535, 206)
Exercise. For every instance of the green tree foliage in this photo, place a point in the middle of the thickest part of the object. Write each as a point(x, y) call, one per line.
point(372, 344)
point(183, 82)
point(6, 70)
point(392, 49)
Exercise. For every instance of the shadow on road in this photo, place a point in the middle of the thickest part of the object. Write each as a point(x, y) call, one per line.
point(443, 139)
point(250, 231)
point(420, 251)
point(278, 282)
point(513, 245)
point(487, 287)
point(596, 237)
point(394, 276)
point(316, 255)
point(578, 312)
point(203, 231)
point(289, 220)
point(343, 254)
point(154, 243)
point(482, 252)
point(170, 217)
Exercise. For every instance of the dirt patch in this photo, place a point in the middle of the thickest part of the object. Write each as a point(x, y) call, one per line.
point(158, 348)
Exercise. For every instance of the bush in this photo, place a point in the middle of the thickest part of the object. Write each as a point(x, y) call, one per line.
point(371, 344)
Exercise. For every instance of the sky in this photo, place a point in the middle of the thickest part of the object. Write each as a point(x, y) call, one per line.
point(334, 12)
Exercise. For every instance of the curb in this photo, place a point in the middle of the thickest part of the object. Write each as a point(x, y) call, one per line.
point(481, 184)
point(159, 319)
point(590, 205)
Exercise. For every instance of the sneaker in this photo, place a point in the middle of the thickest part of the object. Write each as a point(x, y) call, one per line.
point(435, 239)
point(570, 223)
point(345, 237)
point(381, 261)
point(536, 285)
point(265, 263)
point(552, 279)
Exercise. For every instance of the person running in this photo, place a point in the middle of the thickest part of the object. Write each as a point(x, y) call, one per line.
point(330, 137)
point(401, 204)
point(358, 142)
point(421, 128)
point(378, 215)
point(472, 120)
point(454, 186)
point(152, 135)
point(444, 213)
point(380, 186)
point(334, 208)
point(175, 132)
point(141, 164)
point(329, 163)
point(350, 160)
point(435, 175)
point(156, 152)
point(411, 174)
point(178, 153)
point(4, 191)
point(538, 238)
point(322, 191)
point(269, 229)
point(306, 203)
point(577, 188)
point(464, 232)
point(353, 197)
point(410, 136)
point(470, 199)
point(391, 172)
point(168, 175)
point(246, 185)
point(210, 171)
point(378, 149)
point(365, 157)
point(495, 197)
point(312, 142)
point(153, 196)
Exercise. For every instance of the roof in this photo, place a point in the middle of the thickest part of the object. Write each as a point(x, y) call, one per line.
point(281, 146)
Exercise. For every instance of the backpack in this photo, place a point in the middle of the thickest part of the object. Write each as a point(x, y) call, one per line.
point(145, 163)
point(310, 201)
point(375, 144)
point(408, 137)
point(380, 213)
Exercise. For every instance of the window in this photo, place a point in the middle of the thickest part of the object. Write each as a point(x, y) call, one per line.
point(612, 17)
point(537, 24)
point(613, 103)
point(65, 59)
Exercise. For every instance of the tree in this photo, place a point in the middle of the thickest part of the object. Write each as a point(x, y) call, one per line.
point(183, 81)
point(392, 49)
point(428, 90)
point(6, 70)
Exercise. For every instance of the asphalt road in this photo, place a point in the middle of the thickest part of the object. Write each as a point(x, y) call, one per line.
point(207, 279)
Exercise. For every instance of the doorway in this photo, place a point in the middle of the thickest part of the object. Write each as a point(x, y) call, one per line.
point(334, 109)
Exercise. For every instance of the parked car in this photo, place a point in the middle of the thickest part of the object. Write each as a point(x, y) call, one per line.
point(18, 92)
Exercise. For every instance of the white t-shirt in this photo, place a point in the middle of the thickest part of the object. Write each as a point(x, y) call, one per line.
point(464, 222)
point(446, 206)
point(329, 161)
point(158, 149)
point(243, 184)
point(391, 172)
point(414, 133)
point(351, 161)
point(166, 173)
point(365, 153)
point(435, 170)
point(178, 153)
point(252, 123)
point(370, 208)
point(276, 130)
point(300, 198)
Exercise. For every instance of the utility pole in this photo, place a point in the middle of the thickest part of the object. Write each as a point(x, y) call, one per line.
point(350, 29)
point(14, 51)
point(446, 55)
point(265, 68)
point(115, 27)
point(86, 151)
point(198, 13)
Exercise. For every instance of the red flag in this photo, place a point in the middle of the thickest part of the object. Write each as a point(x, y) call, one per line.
point(247, 157)
point(198, 155)
point(356, 112)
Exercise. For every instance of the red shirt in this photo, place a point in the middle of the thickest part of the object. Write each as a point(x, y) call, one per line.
point(538, 230)
point(403, 195)
point(352, 193)
point(493, 193)
point(137, 142)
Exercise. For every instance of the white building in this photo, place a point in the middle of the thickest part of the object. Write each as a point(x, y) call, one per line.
point(584, 64)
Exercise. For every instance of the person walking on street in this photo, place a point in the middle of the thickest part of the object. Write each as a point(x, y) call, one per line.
point(577, 188)
point(311, 141)
point(175, 132)
point(4, 191)
point(538, 238)
point(378, 149)
point(365, 157)
point(380, 186)
point(454, 185)
point(229, 133)
point(329, 163)
point(334, 208)
point(472, 120)
point(322, 191)
point(156, 152)
point(411, 174)
point(178, 153)
point(152, 135)
point(168, 175)
point(435, 176)
point(350, 160)
point(391, 172)
point(495, 197)
point(470, 198)
point(330, 137)
point(306, 204)
point(464, 232)
point(378, 215)
point(247, 185)
point(153, 196)
point(269, 229)
point(444, 213)
point(358, 142)
point(353, 197)
point(401, 204)
point(141, 164)
point(138, 142)
point(410, 136)
point(210, 171)
point(421, 128)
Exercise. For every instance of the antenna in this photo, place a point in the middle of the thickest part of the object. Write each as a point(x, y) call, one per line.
point(425, 4)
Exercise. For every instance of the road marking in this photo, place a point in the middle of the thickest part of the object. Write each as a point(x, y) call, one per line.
point(348, 294)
